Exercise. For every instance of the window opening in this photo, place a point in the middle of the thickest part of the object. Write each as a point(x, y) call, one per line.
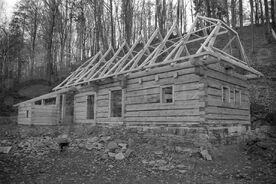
point(91, 107)
point(225, 94)
point(167, 94)
point(237, 96)
point(50, 101)
point(38, 102)
point(116, 103)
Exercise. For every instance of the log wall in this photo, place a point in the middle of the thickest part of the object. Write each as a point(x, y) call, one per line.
point(197, 97)
point(45, 114)
point(102, 114)
point(80, 108)
point(38, 114)
point(143, 106)
point(225, 114)
point(141, 98)
point(22, 114)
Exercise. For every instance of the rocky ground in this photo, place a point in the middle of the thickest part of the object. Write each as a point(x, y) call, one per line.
point(119, 155)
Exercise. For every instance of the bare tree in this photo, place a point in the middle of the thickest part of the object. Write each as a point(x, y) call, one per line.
point(252, 25)
point(261, 11)
point(241, 13)
point(233, 13)
point(273, 16)
point(127, 8)
point(257, 12)
point(51, 11)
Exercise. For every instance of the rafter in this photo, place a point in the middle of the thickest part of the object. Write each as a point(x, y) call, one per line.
point(200, 40)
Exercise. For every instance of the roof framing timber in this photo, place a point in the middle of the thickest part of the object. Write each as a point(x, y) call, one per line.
point(201, 39)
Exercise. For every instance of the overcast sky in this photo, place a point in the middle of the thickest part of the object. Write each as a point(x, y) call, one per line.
point(9, 7)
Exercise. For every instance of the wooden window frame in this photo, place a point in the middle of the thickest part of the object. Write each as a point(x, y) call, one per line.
point(161, 94)
point(27, 114)
point(44, 101)
point(240, 96)
point(95, 104)
point(222, 94)
point(109, 104)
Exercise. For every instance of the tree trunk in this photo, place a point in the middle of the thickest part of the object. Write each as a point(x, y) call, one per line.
point(128, 18)
point(233, 13)
point(227, 12)
point(149, 18)
point(53, 7)
point(19, 60)
point(33, 39)
point(208, 9)
point(266, 13)
point(273, 18)
point(252, 25)
point(241, 13)
point(161, 14)
point(112, 24)
point(257, 12)
point(156, 13)
point(191, 9)
point(261, 11)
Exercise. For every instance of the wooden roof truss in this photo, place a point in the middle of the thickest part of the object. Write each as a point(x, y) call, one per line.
point(207, 36)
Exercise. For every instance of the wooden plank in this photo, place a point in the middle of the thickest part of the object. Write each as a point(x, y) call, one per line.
point(85, 121)
point(227, 117)
point(103, 109)
point(212, 102)
point(144, 99)
point(217, 98)
point(163, 75)
point(162, 113)
point(225, 78)
point(217, 84)
point(217, 92)
point(102, 115)
point(225, 110)
point(191, 104)
point(80, 109)
point(45, 113)
point(190, 78)
point(162, 119)
point(189, 95)
point(162, 69)
point(238, 64)
point(102, 96)
point(103, 103)
point(53, 108)
point(188, 87)
point(44, 119)
point(100, 120)
point(231, 122)
point(163, 124)
point(155, 98)
point(141, 92)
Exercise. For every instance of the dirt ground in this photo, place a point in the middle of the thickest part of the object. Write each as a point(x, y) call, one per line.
point(146, 157)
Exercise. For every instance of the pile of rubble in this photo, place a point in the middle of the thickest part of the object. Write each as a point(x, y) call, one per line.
point(36, 146)
point(118, 149)
point(117, 145)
